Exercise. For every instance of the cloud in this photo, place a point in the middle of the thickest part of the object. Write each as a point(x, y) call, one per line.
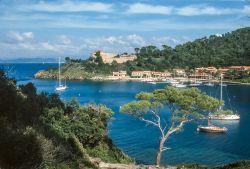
point(193, 10)
point(120, 44)
point(149, 9)
point(64, 40)
point(68, 6)
point(64, 46)
point(246, 10)
point(170, 41)
point(189, 10)
point(18, 36)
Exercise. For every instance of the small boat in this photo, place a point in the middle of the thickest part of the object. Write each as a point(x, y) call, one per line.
point(173, 82)
point(224, 117)
point(212, 129)
point(209, 84)
point(152, 82)
point(223, 114)
point(179, 85)
point(60, 86)
point(146, 80)
point(194, 84)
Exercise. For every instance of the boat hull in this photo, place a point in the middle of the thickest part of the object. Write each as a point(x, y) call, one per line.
point(61, 88)
point(212, 129)
point(225, 117)
point(194, 84)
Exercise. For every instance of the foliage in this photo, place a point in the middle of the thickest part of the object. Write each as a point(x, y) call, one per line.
point(237, 74)
point(107, 152)
point(18, 149)
point(88, 124)
point(245, 80)
point(40, 131)
point(183, 104)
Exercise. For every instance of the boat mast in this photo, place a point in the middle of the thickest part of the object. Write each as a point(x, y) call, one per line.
point(59, 71)
point(221, 90)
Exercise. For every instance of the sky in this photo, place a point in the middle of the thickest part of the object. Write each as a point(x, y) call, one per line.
point(76, 28)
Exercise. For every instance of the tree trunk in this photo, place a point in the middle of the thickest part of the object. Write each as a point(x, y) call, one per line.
point(158, 158)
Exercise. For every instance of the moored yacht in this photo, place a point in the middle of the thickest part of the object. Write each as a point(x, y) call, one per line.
point(209, 84)
point(60, 86)
point(212, 129)
point(223, 114)
point(195, 83)
point(224, 117)
point(179, 85)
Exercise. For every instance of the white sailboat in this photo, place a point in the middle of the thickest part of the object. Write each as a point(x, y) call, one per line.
point(209, 83)
point(60, 86)
point(179, 85)
point(223, 114)
point(195, 83)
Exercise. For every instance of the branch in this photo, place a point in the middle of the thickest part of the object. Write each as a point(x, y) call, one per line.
point(148, 121)
point(165, 148)
point(158, 122)
point(174, 129)
point(156, 115)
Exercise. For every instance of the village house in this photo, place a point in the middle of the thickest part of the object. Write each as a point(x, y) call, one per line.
point(222, 70)
point(211, 70)
point(239, 68)
point(199, 75)
point(161, 74)
point(141, 74)
point(179, 72)
point(120, 74)
point(148, 74)
point(137, 73)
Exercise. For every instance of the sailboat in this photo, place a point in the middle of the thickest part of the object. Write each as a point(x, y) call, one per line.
point(212, 129)
point(209, 83)
point(179, 85)
point(60, 86)
point(196, 83)
point(223, 114)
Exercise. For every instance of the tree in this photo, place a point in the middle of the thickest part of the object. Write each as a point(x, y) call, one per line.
point(184, 106)
point(67, 59)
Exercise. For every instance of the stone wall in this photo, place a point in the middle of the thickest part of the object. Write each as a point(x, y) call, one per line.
point(110, 57)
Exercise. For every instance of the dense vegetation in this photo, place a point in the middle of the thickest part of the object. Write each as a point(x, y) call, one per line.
point(229, 49)
point(40, 131)
point(219, 51)
point(238, 75)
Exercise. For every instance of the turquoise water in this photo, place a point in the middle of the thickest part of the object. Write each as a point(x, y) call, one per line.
point(140, 141)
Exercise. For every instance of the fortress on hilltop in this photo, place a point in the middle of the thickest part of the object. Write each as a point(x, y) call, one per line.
point(110, 57)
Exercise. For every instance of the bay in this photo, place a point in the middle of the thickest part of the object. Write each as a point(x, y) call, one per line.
point(139, 141)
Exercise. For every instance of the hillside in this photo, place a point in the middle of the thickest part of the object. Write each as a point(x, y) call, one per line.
point(41, 131)
point(220, 51)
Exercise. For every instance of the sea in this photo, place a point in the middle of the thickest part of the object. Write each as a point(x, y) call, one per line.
point(140, 141)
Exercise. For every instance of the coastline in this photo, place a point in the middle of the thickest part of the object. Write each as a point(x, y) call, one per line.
point(151, 79)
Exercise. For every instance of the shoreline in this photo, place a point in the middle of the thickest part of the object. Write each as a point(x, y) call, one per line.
point(156, 80)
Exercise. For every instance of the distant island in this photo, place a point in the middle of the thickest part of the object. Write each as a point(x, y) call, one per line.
point(29, 60)
point(228, 54)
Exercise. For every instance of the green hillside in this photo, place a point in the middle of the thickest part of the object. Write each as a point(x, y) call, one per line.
point(220, 51)
point(41, 131)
